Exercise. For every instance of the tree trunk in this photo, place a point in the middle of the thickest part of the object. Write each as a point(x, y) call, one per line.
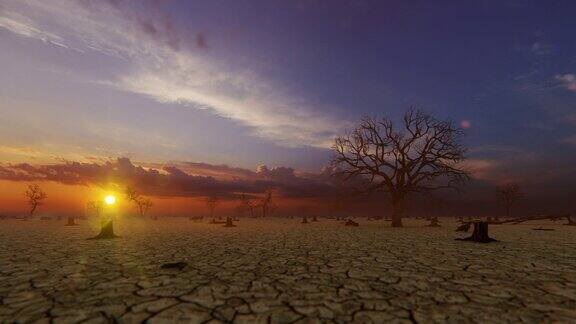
point(32, 212)
point(397, 211)
point(434, 222)
point(107, 231)
point(480, 233)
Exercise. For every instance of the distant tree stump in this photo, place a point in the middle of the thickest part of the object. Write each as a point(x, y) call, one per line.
point(229, 222)
point(480, 233)
point(434, 222)
point(350, 223)
point(570, 221)
point(71, 221)
point(314, 218)
point(305, 220)
point(107, 231)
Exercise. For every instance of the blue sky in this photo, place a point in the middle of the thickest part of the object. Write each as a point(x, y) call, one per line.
point(251, 82)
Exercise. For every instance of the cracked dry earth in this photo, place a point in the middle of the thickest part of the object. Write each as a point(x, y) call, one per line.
point(281, 271)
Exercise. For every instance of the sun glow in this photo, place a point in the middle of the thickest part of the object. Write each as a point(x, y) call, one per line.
point(110, 200)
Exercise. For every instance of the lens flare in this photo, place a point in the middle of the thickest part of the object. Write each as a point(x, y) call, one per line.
point(110, 200)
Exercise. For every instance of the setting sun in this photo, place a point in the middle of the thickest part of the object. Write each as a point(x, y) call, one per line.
point(110, 200)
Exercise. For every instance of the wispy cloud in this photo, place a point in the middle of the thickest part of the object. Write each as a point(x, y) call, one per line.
point(567, 80)
point(157, 63)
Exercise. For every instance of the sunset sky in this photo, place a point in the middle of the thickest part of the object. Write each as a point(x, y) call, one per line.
point(249, 95)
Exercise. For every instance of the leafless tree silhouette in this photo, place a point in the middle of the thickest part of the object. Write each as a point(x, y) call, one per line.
point(35, 196)
point(266, 205)
point(212, 202)
point(508, 195)
point(419, 156)
point(245, 206)
point(143, 205)
point(95, 208)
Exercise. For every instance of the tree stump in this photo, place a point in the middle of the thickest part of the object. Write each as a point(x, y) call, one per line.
point(570, 221)
point(71, 221)
point(434, 222)
point(350, 223)
point(314, 218)
point(229, 222)
point(107, 231)
point(305, 220)
point(480, 233)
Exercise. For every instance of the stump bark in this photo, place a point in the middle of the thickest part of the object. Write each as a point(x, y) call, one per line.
point(71, 221)
point(350, 223)
point(229, 222)
point(107, 231)
point(480, 233)
point(434, 222)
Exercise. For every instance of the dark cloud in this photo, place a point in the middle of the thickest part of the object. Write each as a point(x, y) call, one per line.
point(170, 180)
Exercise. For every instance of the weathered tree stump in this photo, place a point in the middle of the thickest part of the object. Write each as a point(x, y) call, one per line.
point(107, 231)
point(71, 221)
point(305, 220)
point(480, 233)
point(350, 223)
point(314, 218)
point(434, 222)
point(229, 222)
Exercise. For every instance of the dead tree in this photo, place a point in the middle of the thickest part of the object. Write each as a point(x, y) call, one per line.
point(507, 196)
point(143, 205)
point(36, 197)
point(266, 205)
point(212, 202)
point(245, 206)
point(420, 155)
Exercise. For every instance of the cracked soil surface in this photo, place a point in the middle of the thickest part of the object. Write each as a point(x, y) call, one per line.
point(280, 271)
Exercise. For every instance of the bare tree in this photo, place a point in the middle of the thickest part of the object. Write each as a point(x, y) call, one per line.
point(143, 205)
point(95, 208)
point(35, 196)
point(267, 205)
point(421, 155)
point(212, 202)
point(508, 195)
point(245, 206)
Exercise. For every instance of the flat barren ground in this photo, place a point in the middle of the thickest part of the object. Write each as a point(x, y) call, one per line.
point(278, 270)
